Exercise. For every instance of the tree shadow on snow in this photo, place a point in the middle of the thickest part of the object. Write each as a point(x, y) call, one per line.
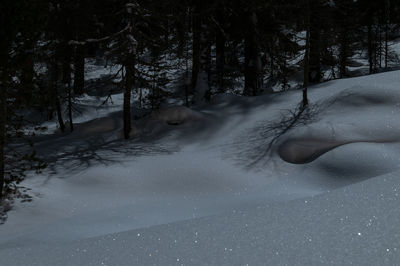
point(94, 151)
point(255, 148)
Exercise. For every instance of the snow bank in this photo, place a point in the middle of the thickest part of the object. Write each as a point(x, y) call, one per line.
point(301, 151)
point(175, 115)
point(333, 199)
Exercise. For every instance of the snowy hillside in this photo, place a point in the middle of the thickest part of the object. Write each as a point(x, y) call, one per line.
point(213, 186)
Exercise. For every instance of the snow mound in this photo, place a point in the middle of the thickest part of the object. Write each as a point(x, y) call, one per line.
point(175, 115)
point(96, 126)
point(302, 151)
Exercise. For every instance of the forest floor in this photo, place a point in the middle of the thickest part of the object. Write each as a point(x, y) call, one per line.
point(239, 181)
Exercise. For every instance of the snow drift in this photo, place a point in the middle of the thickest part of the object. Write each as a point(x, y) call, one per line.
point(327, 194)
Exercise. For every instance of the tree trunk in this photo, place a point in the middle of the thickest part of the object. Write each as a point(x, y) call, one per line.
point(27, 75)
point(3, 115)
point(386, 45)
point(66, 81)
point(380, 45)
point(307, 58)
point(187, 78)
point(196, 28)
point(387, 21)
point(271, 65)
point(129, 72)
point(252, 57)
point(370, 49)
point(202, 87)
point(181, 34)
point(376, 52)
point(66, 63)
point(56, 96)
point(129, 64)
point(315, 45)
point(59, 114)
point(71, 123)
point(220, 54)
point(79, 73)
point(343, 52)
point(4, 48)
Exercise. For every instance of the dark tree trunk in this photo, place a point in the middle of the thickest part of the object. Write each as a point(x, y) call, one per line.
point(66, 80)
point(271, 65)
point(79, 73)
point(376, 50)
point(66, 63)
point(307, 57)
point(129, 79)
point(343, 52)
point(56, 95)
point(380, 45)
point(220, 53)
point(71, 123)
point(315, 45)
point(386, 44)
point(59, 114)
point(387, 23)
point(252, 59)
point(28, 74)
point(5, 44)
point(3, 115)
point(196, 28)
point(202, 88)
point(370, 49)
point(129, 63)
point(187, 78)
point(4, 47)
point(181, 34)
point(154, 96)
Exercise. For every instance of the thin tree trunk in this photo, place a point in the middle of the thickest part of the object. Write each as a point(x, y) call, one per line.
point(272, 65)
point(380, 45)
point(66, 80)
point(376, 50)
point(79, 73)
point(181, 34)
point(315, 74)
point(196, 28)
point(28, 74)
point(129, 72)
point(252, 57)
point(140, 97)
point(202, 87)
point(370, 49)
point(3, 115)
point(66, 63)
point(307, 58)
point(129, 64)
point(386, 45)
point(343, 52)
point(56, 96)
point(387, 21)
point(4, 47)
point(187, 79)
point(153, 85)
point(220, 54)
point(59, 114)
point(71, 123)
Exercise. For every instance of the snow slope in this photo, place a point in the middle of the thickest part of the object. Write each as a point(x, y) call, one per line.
point(199, 194)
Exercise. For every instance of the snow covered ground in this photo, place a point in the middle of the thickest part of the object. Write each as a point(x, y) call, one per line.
point(199, 191)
